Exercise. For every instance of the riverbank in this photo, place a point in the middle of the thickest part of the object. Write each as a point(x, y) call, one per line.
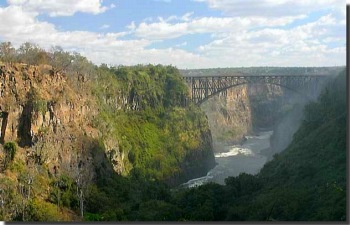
point(237, 159)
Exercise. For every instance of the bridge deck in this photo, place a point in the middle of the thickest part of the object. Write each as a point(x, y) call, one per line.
point(277, 75)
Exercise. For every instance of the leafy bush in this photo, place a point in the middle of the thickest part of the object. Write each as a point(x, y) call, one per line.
point(40, 210)
point(10, 149)
point(63, 192)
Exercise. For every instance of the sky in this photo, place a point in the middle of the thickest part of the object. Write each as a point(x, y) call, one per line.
point(185, 33)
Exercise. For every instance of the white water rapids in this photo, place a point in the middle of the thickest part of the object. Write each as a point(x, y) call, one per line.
point(237, 159)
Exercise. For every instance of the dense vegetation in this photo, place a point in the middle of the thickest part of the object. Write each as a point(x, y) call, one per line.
point(157, 129)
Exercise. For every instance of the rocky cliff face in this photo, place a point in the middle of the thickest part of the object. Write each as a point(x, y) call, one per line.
point(266, 101)
point(48, 119)
point(229, 116)
point(53, 120)
point(242, 110)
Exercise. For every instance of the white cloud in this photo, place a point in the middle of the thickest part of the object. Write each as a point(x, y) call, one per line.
point(181, 44)
point(104, 26)
point(300, 46)
point(236, 41)
point(187, 16)
point(271, 8)
point(164, 29)
point(61, 7)
point(131, 26)
point(169, 56)
point(166, 1)
point(160, 30)
point(19, 26)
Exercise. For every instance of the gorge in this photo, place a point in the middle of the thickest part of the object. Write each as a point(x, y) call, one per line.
point(99, 143)
point(258, 109)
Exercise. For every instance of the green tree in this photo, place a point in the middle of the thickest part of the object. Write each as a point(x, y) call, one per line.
point(31, 54)
point(10, 151)
point(40, 210)
point(81, 65)
point(60, 60)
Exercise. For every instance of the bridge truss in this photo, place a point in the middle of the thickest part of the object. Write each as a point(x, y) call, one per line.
point(204, 87)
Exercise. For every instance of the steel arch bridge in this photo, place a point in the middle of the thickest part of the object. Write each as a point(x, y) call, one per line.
point(204, 87)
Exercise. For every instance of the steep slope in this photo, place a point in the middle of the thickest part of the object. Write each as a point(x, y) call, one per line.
point(46, 115)
point(157, 132)
point(313, 167)
point(61, 131)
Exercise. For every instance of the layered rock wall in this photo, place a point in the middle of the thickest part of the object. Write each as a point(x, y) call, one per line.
point(46, 116)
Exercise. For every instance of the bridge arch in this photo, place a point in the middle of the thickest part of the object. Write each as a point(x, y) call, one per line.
point(227, 88)
point(203, 88)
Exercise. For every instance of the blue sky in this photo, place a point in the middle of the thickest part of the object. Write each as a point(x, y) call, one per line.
point(184, 33)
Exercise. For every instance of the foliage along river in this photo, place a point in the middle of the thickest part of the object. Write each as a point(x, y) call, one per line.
point(237, 159)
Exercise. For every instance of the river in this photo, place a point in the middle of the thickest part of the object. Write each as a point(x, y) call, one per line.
point(237, 159)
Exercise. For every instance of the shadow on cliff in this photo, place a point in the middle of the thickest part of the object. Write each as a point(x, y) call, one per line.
point(24, 126)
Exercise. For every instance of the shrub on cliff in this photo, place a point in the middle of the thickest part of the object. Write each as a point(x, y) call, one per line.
point(31, 54)
point(10, 151)
point(39, 210)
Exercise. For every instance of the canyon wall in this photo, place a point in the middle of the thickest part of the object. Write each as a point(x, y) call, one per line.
point(48, 119)
point(242, 111)
point(74, 124)
point(229, 116)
